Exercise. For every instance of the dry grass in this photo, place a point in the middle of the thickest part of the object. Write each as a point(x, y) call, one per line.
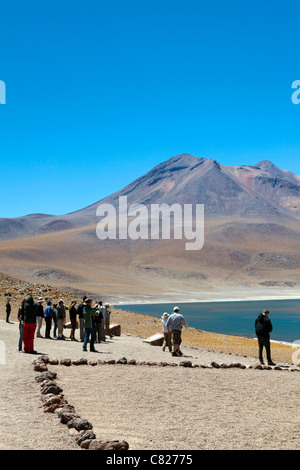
point(145, 326)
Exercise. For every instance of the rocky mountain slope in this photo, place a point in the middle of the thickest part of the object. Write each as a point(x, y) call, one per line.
point(252, 236)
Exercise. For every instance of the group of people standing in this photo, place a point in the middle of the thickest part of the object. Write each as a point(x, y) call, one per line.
point(94, 325)
point(93, 322)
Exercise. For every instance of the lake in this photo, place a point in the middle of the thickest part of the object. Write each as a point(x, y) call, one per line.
point(233, 318)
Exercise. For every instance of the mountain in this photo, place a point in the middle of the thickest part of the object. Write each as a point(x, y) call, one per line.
point(252, 236)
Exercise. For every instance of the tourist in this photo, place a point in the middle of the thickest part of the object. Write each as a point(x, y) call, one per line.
point(21, 324)
point(61, 319)
point(107, 321)
point(39, 317)
point(99, 326)
point(30, 311)
point(54, 318)
point(174, 323)
point(89, 313)
point(48, 315)
point(73, 313)
point(102, 321)
point(8, 310)
point(167, 333)
point(80, 318)
point(263, 328)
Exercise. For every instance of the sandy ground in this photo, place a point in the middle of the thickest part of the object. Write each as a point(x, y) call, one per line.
point(150, 407)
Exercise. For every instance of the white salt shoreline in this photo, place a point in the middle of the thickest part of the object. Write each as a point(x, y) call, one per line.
point(180, 300)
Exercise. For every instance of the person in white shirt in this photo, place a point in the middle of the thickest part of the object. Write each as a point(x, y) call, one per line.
point(167, 333)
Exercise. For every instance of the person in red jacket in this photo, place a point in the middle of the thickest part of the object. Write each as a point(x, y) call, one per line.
point(30, 311)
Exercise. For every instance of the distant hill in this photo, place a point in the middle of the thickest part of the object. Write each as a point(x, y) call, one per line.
point(252, 235)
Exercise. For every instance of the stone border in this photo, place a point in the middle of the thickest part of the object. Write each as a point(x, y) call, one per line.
point(81, 429)
point(55, 402)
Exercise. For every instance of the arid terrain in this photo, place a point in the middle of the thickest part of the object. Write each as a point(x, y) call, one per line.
point(149, 406)
point(251, 239)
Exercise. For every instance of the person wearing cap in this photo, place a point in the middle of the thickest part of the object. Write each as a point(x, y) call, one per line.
point(61, 319)
point(89, 313)
point(174, 323)
point(263, 328)
point(167, 333)
point(39, 317)
point(107, 321)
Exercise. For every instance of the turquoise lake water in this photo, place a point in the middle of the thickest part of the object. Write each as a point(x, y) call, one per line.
point(233, 318)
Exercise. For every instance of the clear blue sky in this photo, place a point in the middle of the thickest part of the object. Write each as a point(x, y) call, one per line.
point(99, 92)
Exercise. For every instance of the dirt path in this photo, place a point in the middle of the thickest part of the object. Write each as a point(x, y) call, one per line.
point(150, 407)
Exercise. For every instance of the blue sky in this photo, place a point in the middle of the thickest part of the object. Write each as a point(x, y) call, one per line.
point(99, 92)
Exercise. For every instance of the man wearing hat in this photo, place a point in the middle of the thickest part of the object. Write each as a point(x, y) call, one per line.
point(174, 323)
point(39, 317)
point(263, 328)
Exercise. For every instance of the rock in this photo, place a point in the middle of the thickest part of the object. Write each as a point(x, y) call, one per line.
point(40, 368)
point(115, 329)
point(54, 361)
point(93, 362)
point(79, 424)
point(83, 435)
point(93, 445)
point(67, 416)
point(186, 364)
point(51, 387)
point(86, 443)
point(110, 361)
point(258, 366)
point(215, 365)
point(46, 375)
point(66, 409)
point(112, 445)
point(132, 362)
point(238, 365)
point(73, 432)
point(277, 368)
point(65, 362)
point(44, 359)
point(51, 408)
point(123, 360)
point(53, 399)
point(79, 362)
point(155, 340)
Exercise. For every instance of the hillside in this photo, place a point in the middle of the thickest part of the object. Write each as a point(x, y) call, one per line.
point(252, 238)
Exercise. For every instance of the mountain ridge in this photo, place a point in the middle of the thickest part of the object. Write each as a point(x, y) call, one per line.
point(252, 235)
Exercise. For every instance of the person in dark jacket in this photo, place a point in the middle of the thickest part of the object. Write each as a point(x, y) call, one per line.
point(21, 324)
point(30, 311)
point(73, 313)
point(8, 310)
point(80, 317)
point(263, 328)
point(89, 314)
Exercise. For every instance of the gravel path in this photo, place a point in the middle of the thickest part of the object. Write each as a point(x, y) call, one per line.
point(149, 407)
